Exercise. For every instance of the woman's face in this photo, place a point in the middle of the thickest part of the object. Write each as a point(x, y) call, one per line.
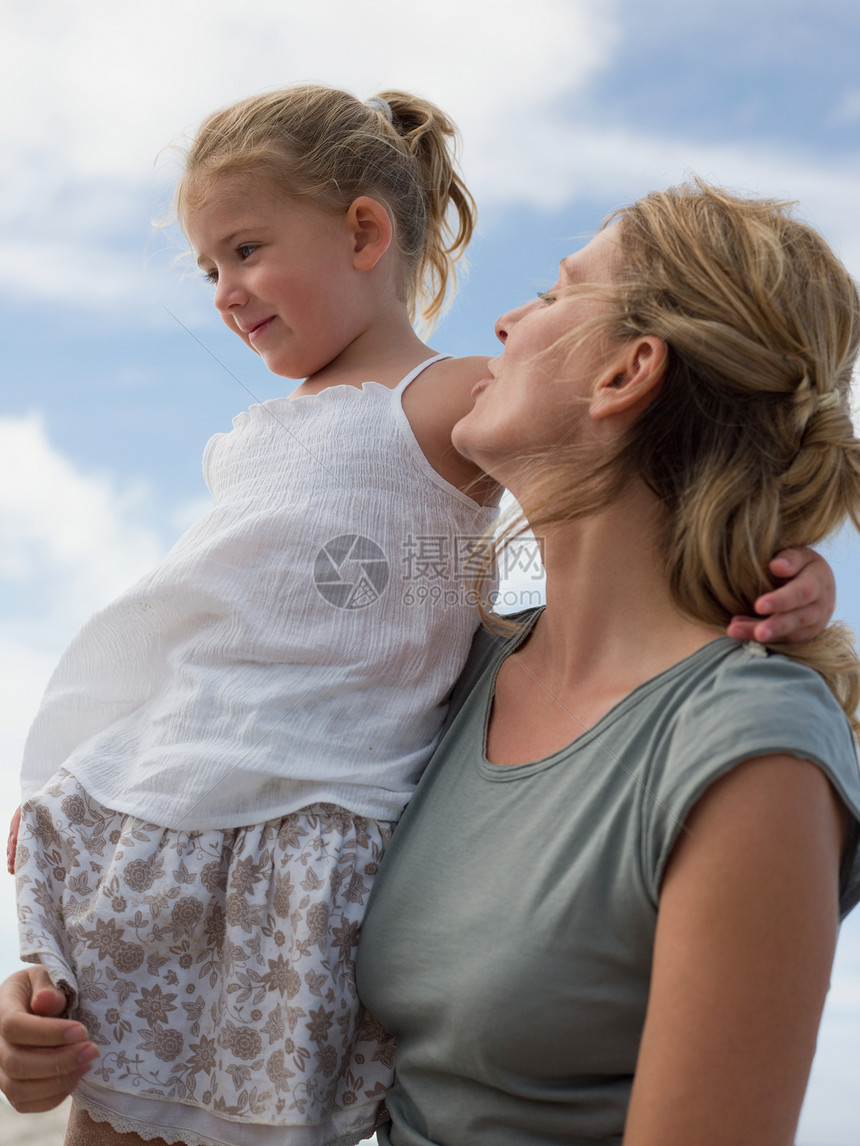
point(537, 391)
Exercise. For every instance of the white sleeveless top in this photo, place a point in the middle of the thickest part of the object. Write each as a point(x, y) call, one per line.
point(296, 645)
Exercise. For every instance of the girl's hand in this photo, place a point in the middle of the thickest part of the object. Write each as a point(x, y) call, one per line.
point(796, 611)
point(12, 842)
point(41, 1056)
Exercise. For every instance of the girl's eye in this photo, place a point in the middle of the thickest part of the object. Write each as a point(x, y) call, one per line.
point(546, 296)
point(244, 251)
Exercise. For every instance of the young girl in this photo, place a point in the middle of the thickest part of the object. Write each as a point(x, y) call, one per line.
point(222, 753)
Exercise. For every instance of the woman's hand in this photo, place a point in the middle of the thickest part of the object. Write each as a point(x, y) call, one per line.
point(796, 611)
point(42, 1057)
point(12, 842)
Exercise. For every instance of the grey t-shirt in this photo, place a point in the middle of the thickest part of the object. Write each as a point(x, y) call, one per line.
point(509, 936)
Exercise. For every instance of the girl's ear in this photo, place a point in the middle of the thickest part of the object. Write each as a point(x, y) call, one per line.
point(633, 379)
point(370, 231)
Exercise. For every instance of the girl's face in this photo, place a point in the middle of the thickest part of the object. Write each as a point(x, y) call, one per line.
point(281, 269)
point(537, 391)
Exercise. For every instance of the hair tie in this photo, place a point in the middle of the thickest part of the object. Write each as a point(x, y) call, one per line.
point(381, 104)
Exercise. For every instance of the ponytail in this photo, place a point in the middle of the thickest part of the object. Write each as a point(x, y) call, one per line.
point(450, 214)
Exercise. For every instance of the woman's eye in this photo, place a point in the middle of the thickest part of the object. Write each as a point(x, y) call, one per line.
point(546, 296)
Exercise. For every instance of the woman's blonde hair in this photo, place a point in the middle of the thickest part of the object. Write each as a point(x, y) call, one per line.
point(326, 144)
point(749, 444)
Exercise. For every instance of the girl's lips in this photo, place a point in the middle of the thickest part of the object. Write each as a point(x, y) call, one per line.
point(259, 328)
point(480, 385)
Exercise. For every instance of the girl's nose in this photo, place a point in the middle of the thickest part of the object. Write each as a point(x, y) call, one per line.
point(228, 293)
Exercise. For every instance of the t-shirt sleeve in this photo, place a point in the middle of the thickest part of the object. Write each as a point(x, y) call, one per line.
point(751, 706)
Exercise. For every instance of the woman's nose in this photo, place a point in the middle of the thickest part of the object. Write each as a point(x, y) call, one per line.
point(504, 324)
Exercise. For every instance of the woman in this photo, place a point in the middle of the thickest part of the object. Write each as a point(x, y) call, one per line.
point(615, 895)
point(611, 907)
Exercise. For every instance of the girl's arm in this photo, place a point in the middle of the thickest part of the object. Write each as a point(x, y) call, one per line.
point(434, 403)
point(746, 933)
point(799, 609)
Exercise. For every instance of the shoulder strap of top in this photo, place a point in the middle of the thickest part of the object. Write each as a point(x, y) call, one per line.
point(413, 374)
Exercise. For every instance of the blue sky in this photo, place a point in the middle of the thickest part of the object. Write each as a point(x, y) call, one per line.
point(567, 109)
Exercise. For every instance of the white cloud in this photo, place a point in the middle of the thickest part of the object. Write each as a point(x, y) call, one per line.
point(50, 269)
point(24, 673)
point(106, 87)
point(77, 533)
point(558, 161)
point(109, 86)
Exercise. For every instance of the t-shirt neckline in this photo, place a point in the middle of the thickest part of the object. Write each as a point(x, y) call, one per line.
point(584, 739)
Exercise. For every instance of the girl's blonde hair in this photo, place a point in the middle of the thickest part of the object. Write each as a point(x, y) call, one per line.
point(326, 144)
point(749, 445)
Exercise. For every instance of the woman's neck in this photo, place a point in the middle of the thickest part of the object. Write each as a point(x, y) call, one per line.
point(610, 618)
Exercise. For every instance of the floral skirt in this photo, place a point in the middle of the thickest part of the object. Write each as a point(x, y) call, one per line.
point(214, 969)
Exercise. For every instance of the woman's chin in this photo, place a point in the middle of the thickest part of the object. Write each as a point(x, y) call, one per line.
point(462, 439)
point(474, 439)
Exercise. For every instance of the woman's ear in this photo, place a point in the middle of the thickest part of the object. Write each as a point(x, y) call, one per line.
point(370, 231)
point(632, 380)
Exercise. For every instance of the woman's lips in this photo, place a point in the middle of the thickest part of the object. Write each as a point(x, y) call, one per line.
point(482, 383)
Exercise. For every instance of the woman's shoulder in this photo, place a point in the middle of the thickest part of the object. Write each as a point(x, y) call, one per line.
point(759, 684)
point(746, 701)
point(742, 704)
